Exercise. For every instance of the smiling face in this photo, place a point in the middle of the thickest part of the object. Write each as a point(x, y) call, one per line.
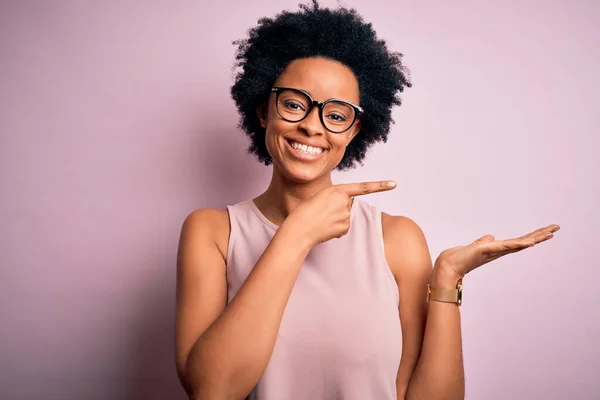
point(306, 151)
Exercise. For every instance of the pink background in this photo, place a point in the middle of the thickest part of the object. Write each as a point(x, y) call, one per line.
point(116, 122)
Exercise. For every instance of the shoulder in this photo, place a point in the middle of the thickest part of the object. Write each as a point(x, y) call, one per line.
point(207, 225)
point(401, 229)
point(203, 217)
point(406, 248)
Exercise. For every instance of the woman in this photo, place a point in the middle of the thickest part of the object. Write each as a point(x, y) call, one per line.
point(307, 291)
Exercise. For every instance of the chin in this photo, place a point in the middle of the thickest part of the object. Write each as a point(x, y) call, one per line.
point(300, 173)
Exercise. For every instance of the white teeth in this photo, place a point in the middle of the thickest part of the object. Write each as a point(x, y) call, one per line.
point(306, 149)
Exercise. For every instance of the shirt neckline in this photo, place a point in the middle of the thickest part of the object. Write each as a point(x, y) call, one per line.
point(274, 226)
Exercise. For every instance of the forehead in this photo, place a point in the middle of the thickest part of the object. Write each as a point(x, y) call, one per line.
point(322, 78)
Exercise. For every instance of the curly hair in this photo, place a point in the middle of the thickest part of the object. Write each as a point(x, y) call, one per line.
point(340, 35)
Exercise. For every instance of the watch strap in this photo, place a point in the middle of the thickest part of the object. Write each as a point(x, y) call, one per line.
point(445, 295)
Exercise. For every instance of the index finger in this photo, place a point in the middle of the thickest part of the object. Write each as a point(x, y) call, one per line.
point(362, 188)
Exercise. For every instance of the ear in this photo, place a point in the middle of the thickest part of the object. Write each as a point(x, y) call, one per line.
point(354, 131)
point(262, 115)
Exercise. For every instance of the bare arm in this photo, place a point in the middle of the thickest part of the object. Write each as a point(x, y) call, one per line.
point(438, 370)
point(223, 351)
point(439, 373)
point(431, 366)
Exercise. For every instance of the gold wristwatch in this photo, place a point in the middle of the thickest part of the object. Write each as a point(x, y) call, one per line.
point(445, 295)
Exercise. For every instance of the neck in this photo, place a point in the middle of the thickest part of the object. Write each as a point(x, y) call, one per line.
point(283, 195)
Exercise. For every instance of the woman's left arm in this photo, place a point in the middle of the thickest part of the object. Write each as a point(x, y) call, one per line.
point(432, 364)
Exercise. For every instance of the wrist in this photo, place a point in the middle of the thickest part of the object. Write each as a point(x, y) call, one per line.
point(294, 237)
point(444, 277)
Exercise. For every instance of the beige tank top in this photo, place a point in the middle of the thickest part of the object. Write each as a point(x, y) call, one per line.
point(340, 335)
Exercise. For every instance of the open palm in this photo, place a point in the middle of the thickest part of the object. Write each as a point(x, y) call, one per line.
point(464, 259)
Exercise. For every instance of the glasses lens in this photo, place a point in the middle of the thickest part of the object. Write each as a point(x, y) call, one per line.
point(338, 116)
point(292, 105)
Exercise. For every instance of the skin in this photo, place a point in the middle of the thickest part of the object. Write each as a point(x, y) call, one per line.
point(214, 360)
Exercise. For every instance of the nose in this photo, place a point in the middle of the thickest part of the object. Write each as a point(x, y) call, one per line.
point(311, 125)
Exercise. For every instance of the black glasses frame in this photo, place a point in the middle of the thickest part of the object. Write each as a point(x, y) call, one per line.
point(358, 111)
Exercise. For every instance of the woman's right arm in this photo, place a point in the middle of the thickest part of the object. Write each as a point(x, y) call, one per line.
point(222, 351)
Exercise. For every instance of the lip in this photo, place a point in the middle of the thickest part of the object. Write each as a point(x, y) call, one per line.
point(303, 156)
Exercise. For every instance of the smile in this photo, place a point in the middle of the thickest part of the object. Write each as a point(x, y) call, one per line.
point(303, 148)
point(304, 152)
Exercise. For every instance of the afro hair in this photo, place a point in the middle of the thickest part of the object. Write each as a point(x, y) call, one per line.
point(341, 35)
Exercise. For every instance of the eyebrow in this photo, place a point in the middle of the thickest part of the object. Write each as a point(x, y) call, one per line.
point(311, 95)
point(297, 88)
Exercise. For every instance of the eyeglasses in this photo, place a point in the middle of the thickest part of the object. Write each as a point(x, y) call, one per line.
point(337, 116)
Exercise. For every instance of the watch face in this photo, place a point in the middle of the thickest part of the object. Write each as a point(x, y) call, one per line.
point(459, 293)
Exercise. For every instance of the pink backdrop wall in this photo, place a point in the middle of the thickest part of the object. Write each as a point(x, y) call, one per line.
point(116, 122)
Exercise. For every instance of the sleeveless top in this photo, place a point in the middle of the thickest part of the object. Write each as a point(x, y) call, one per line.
point(340, 336)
